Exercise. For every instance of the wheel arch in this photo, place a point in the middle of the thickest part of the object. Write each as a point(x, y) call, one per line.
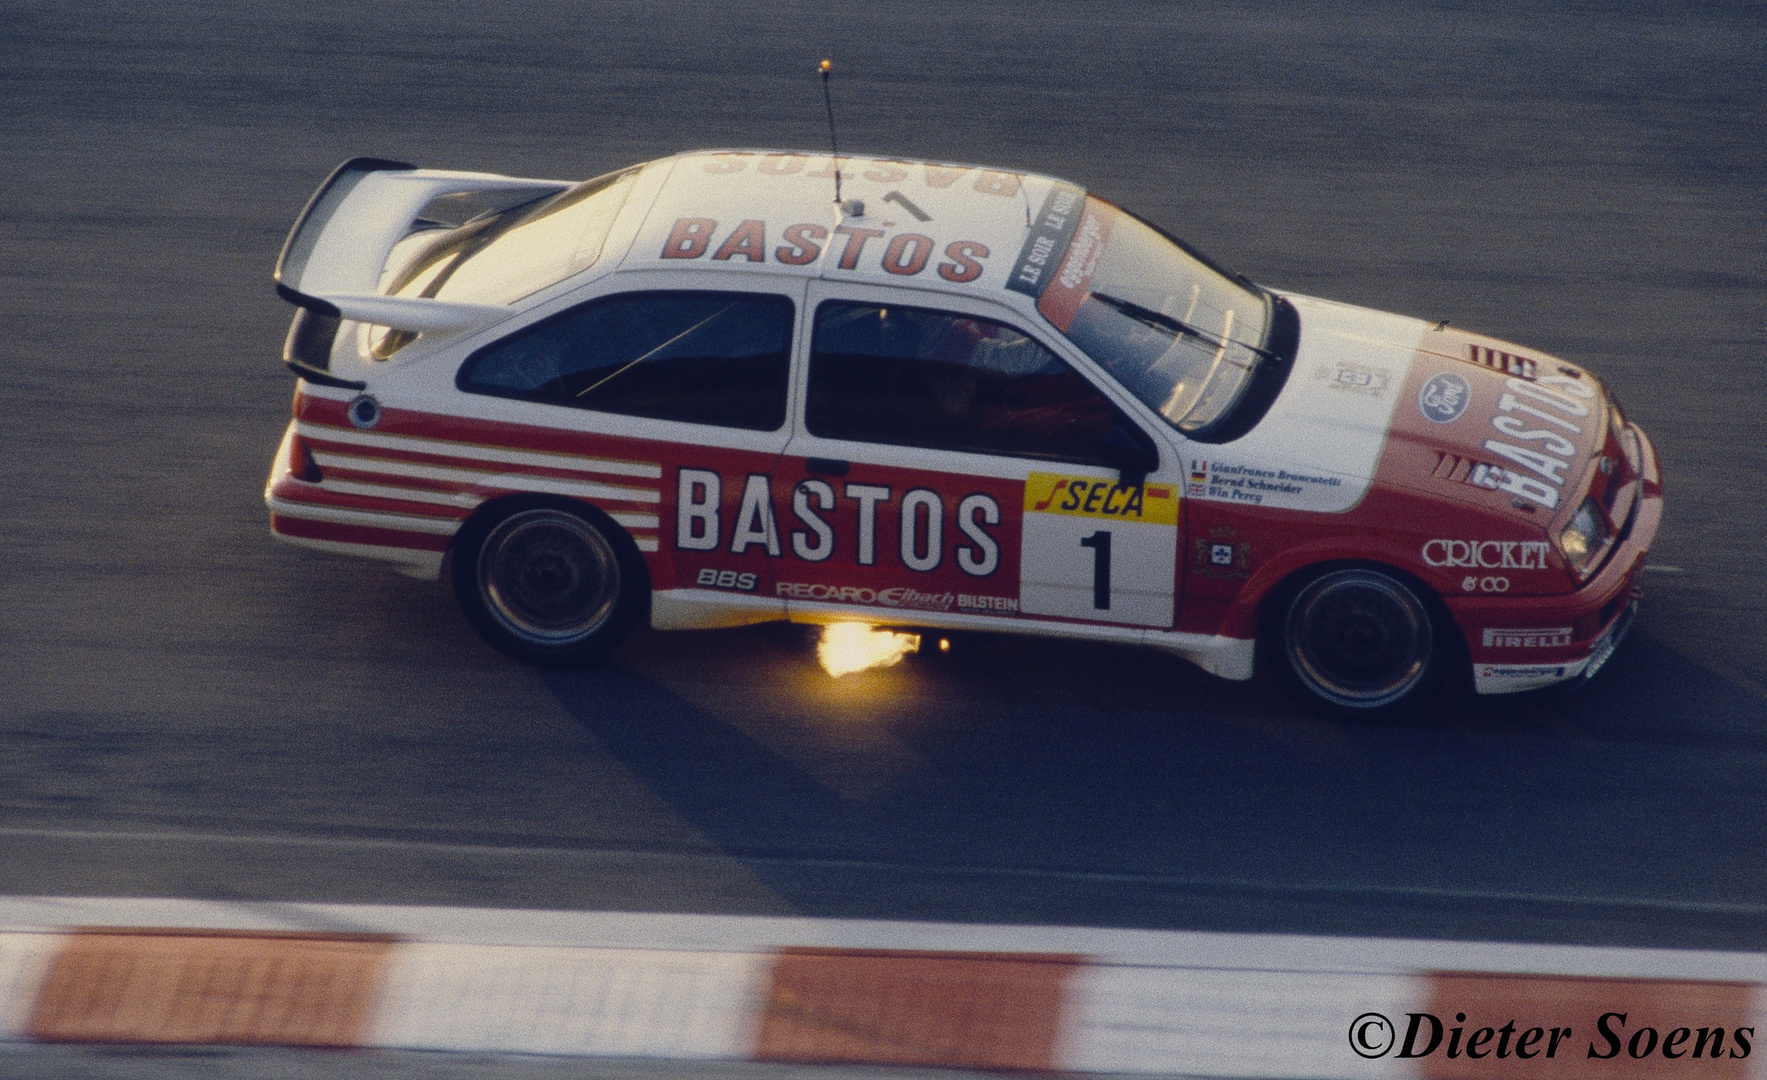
point(492, 510)
point(1297, 564)
point(1270, 627)
point(1276, 595)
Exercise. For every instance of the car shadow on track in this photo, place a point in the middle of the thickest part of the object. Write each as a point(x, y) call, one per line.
point(1040, 781)
point(1647, 693)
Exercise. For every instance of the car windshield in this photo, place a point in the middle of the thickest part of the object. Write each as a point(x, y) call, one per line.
point(1177, 332)
point(501, 256)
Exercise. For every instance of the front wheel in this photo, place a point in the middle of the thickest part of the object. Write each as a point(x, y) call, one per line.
point(1362, 642)
point(547, 584)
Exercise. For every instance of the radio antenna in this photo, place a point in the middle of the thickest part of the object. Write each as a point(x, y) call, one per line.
point(833, 150)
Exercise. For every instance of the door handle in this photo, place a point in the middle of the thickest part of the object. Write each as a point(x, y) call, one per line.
point(822, 466)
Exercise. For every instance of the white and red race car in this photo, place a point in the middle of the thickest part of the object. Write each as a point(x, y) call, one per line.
point(703, 392)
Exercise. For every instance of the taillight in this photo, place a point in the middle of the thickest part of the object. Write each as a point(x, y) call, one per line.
point(301, 464)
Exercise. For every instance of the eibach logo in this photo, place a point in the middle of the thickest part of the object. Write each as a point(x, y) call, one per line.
point(899, 596)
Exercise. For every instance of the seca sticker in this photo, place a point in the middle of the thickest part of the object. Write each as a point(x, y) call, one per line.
point(1084, 496)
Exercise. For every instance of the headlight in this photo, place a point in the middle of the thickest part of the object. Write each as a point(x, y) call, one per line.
point(1583, 537)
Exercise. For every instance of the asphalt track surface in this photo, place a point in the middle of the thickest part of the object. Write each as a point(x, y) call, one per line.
point(190, 709)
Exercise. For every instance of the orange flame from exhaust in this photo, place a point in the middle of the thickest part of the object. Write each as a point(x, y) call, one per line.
point(849, 647)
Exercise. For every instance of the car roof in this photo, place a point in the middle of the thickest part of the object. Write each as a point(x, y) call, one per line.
point(963, 228)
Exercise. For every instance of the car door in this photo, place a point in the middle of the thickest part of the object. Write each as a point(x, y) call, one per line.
point(945, 461)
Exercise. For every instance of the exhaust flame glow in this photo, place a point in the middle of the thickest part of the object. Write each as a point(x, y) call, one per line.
point(849, 647)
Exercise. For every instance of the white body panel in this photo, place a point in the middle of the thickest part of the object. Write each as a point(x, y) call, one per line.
point(1318, 447)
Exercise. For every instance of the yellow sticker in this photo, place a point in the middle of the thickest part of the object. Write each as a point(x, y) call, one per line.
point(1096, 497)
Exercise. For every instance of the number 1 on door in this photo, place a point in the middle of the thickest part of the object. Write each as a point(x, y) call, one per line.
point(1100, 543)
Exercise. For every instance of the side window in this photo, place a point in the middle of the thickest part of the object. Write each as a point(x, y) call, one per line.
point(700, 357)
point(913, 377)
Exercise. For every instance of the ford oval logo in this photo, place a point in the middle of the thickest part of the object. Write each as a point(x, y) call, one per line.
point(1444, 398)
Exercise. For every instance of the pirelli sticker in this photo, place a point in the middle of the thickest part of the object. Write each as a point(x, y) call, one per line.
point(1099, 549)
point(1085, 496)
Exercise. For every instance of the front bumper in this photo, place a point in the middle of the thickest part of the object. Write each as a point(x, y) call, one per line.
point(1530, 642)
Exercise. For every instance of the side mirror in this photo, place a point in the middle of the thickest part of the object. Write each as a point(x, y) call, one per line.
point(1131, 457)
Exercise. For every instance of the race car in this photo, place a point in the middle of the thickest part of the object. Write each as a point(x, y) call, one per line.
point(737, 386)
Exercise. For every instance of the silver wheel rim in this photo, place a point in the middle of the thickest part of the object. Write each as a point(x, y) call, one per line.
point(548, 577)
point(1359, 639)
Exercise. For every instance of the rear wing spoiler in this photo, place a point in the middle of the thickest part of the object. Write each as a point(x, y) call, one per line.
point(331, 262)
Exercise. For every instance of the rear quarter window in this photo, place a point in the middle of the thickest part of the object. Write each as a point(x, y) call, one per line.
point(698, 357)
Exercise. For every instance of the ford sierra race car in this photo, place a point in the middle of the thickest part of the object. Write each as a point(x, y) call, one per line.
point(704, 392)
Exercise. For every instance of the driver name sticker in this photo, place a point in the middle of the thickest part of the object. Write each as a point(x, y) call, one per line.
point(1250, 484)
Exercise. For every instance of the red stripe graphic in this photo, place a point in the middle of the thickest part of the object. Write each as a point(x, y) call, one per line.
point(314, 495)
point(468, 432)
point(415, 483)
point(463, 461)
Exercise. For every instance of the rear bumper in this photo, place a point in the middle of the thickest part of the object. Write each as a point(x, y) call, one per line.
point(1530, 642)
point(307, 515)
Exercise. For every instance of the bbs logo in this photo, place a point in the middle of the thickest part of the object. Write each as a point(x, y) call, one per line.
point(727, 579)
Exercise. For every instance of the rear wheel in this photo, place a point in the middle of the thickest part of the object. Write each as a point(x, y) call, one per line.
point(1362, 641)
point(549, 584)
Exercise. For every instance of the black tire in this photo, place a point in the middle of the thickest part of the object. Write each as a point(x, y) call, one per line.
point(1361, 642)
point(549, 582)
